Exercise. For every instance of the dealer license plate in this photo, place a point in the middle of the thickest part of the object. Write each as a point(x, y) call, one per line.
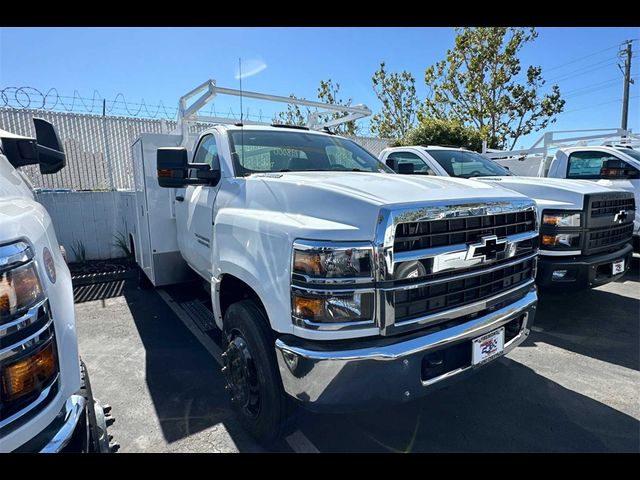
point(617, 267)
point(488, 346)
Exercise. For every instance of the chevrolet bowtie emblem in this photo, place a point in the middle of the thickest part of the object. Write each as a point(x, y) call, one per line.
point(487, 248)
point(620, 217)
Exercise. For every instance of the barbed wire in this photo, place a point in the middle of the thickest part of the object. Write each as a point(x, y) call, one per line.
point(33, 98)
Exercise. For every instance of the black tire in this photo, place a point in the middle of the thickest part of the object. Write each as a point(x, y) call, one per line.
point(270, 419)
point(93, 444)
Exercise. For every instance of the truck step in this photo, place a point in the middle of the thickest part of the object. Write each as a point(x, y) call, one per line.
point(200, 314)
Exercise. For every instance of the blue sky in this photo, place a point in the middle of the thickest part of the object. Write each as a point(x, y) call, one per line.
point(160, 64)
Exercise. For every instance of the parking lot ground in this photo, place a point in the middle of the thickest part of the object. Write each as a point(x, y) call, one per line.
point(573, 386)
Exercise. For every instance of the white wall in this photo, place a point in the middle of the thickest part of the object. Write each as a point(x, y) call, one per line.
point(93, 218)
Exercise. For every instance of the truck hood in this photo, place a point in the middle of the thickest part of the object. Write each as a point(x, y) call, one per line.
point(550, 192)
point(343, 205)
point(382, 188)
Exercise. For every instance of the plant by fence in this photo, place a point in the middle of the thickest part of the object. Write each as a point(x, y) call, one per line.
point(98, 147)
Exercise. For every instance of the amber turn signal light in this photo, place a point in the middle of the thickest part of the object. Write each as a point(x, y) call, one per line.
point(29, 374)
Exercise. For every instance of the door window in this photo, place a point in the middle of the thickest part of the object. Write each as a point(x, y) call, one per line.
point(419, 165)
point(594, 165)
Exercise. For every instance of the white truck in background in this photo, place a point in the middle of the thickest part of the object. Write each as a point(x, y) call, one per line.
point(337, 284)
point(608, 157)
point(46, 403)
point(585, 228)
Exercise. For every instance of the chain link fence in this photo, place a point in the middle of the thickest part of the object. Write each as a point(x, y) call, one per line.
point(98, 147)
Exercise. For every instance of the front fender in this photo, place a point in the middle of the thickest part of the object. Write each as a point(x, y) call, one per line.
point(256, 247)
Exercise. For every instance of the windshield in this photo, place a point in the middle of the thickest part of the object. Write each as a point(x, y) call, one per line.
point(258, 151)
point(632, 153)
point(466, 164)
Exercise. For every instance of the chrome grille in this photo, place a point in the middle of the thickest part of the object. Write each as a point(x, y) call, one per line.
point(452, 231)
point(450, 262)
point(439, 296)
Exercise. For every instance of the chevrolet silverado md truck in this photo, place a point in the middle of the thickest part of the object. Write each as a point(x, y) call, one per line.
point(615, 166)
point(337, 283)
point(585, 228)
point(46, 403)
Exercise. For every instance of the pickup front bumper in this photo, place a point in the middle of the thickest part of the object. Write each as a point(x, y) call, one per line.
point(65, 426)
point(392, 370)
point(581, 271)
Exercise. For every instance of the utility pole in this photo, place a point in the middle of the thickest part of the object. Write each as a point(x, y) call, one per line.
point(627, 81)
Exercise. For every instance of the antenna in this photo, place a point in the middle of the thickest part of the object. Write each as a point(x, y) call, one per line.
point(240, 78)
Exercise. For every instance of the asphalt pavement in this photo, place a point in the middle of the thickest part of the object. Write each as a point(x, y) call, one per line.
point(573, 386)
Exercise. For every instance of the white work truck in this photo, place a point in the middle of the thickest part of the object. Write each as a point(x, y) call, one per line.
point(337, 284)
point(46, 404)
point(585, 228)
point(611, 166)
point(606, 156)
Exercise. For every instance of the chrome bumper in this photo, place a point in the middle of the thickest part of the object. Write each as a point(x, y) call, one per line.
point(59, 432)
point(355, 378)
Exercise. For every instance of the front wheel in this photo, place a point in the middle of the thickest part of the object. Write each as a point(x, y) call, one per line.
point(251, 372)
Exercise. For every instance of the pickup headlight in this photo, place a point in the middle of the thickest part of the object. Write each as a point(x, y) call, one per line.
point(317, 260)
point(322, 276)
point(569, 240)
point(19, 289)
point(561, 219)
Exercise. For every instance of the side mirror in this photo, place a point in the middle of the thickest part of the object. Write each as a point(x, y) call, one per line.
point(405, 168)
point(616, 168)
point(173, 169)
point(51, 155)
point(392, 164)
point(45, 149)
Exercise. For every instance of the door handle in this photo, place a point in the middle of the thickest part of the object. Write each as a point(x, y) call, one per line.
point(179, 198)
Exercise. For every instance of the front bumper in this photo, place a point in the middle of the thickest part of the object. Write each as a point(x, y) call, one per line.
point(582, 271)
point(59, 433)
point(357, 378)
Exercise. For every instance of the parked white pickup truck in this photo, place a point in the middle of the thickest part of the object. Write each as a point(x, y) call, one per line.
point(46, 404)
point(336, 282)
point(612, 166)
point(585, 228)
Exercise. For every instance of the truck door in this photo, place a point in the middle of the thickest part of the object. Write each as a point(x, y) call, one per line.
point(194, 213)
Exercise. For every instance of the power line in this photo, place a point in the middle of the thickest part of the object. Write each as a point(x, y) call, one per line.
point(581, 58)
point(598, 104)
point(584, 70)
point(593, 88)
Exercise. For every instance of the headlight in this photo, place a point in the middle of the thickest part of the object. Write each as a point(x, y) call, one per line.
point(328, 260)
point(19, 289)
point(561, 219)
point(320, 272)
point(332, 307)
point(568, 240)
point(29, 374)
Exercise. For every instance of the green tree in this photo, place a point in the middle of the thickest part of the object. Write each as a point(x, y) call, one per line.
point(328, 92)
point(293, 116)
point(397, 93)
point(436, 131)
point(477, 84)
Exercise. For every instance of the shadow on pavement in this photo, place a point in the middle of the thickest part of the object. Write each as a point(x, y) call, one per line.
point(596, 323)
point(506, 407)
point(184, 381)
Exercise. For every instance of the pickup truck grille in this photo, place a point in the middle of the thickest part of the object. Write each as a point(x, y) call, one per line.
point(452, 231)
point(448, 270)
point(449, 294)
point(600, 238)
point(601, 208)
